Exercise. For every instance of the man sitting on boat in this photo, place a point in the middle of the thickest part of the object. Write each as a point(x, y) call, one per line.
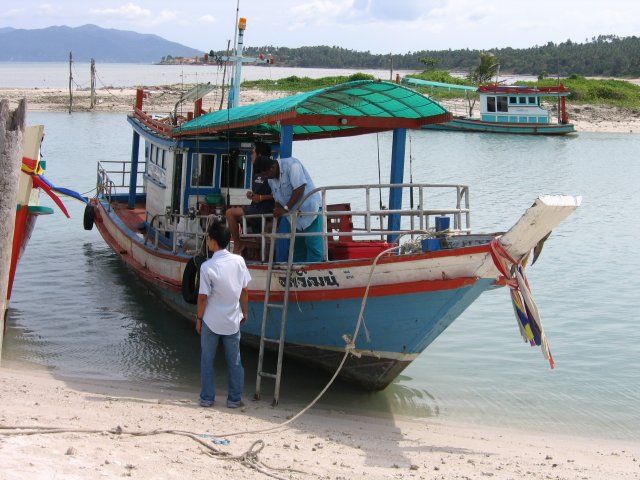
point(260, 195)
point(290, 182)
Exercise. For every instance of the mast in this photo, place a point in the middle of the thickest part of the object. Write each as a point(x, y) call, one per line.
point(234, 93)
point(237, 60)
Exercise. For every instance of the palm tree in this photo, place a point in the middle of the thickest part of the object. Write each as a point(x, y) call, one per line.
point(484, 72)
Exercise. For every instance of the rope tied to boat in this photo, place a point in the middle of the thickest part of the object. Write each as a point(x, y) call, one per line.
point(524, 305)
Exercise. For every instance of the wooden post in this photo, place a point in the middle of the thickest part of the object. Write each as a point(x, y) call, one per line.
point(12, 125)
point(93, 83)
point(70, 81)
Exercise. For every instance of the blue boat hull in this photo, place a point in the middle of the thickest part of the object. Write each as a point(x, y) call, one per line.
point(399, 328)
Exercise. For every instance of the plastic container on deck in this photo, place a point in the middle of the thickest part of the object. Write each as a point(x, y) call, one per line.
point(213, 199)
point(431, 244)
point(350, 250)
point(442, 223)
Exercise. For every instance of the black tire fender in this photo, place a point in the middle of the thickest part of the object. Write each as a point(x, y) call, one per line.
point(191, 279)
point(89, 217)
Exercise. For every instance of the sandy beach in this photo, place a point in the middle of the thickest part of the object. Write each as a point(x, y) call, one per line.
point(54, 428)
point(586, 118)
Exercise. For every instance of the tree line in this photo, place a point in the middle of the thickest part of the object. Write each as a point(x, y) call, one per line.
point(604, 55)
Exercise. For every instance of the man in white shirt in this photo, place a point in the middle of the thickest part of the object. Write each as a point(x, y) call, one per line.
point(222, 307)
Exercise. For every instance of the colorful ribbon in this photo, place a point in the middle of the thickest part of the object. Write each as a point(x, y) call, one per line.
point(524, 305)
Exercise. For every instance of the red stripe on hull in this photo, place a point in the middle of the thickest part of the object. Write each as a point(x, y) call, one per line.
point(24, 225)
point(374, 291)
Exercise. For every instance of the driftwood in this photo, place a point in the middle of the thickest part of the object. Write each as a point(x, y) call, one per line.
point(12, 126)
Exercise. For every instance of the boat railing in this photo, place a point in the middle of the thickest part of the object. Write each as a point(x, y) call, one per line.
point(349, 213)
point(177, 232)
point(114, 178)
point(366, 218)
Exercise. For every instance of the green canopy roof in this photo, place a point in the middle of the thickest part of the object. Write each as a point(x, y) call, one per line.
point(351, 108)
point(417, 82)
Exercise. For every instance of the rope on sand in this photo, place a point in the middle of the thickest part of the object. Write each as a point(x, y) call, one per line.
point(248, 459)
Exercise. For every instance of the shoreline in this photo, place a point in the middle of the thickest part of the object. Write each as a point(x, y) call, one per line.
point(320, 444)
point(161, 100)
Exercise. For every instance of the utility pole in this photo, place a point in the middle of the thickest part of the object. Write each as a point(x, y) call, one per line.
point(70, 81)
point(12, 125)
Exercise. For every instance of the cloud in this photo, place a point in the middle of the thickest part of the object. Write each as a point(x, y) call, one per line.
point(319, 12)
point(207, 19)
point(14, 12)
point(131, 12)
point(361, 12)
point(405, 10)
point(46, 9)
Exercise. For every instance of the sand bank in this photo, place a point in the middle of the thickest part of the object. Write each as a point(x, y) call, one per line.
point(586, 118)
point(108, 434)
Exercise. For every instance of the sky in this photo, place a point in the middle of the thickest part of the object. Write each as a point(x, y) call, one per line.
point(378, 26)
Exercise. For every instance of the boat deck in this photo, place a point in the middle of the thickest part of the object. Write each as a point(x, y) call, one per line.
point(132, 218)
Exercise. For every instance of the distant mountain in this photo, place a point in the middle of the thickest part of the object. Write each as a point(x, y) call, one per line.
point(53, 44)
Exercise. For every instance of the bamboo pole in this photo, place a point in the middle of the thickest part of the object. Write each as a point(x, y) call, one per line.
point(12, 125)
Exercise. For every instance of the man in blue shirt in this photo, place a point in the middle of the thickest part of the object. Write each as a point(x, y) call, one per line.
point(223, 302)
point(290, 183)
point(260, 196)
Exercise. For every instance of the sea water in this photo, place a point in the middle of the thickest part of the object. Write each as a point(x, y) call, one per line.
point(78, 311)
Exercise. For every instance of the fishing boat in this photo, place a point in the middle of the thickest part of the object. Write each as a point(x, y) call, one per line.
point(507, 109)
point(28, 207)
point(392, 277)
point(31, 182)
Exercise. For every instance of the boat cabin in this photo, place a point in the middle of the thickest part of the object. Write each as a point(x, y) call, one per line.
point(516, 104)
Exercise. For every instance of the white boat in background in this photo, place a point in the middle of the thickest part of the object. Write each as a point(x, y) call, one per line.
point(507, 109)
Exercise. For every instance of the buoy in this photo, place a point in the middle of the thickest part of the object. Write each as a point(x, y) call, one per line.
point(89, 217)
point(191, 279)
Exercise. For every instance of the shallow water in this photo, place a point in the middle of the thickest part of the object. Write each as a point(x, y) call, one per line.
point(78, 311)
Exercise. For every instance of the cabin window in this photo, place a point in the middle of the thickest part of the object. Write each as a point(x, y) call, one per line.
point(234, 167)
point(162, 158)
point(523, 100)
point(202, 168)
point(502, 104)
point(491, 104)
point(513, 100)
point(532, 100)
